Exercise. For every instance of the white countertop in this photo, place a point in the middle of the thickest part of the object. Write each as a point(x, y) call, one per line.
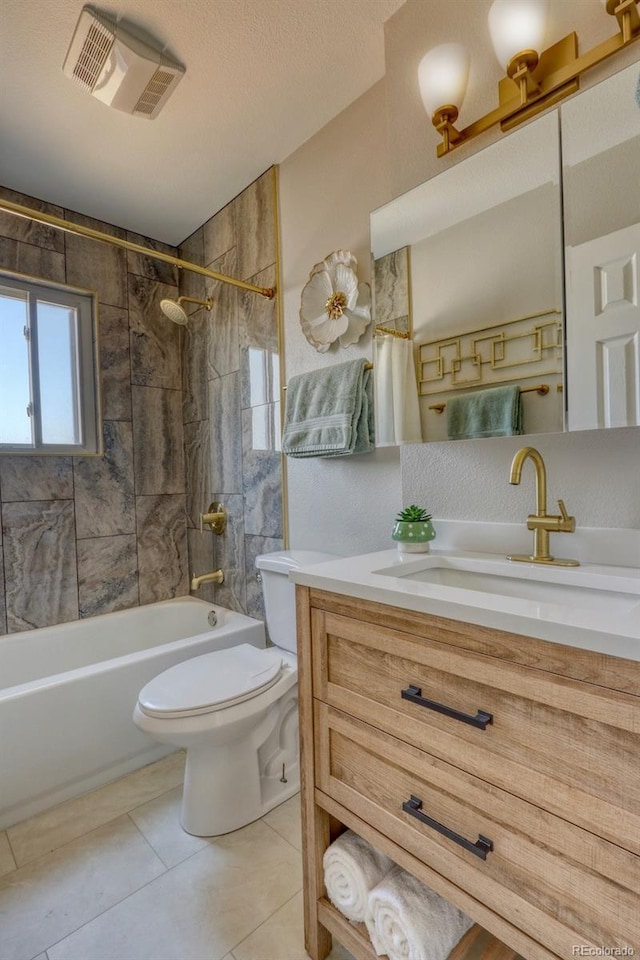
point(606, 618)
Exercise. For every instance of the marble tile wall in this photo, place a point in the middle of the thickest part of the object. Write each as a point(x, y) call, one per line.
point(82, 536)
point(391, 290)
point(231, 392)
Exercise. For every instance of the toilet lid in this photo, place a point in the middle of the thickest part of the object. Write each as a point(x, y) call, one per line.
point(211, 682)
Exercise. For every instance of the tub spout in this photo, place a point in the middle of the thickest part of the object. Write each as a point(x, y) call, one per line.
point(217, 576)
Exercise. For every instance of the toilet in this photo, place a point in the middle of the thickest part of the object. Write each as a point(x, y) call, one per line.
point(235, 712)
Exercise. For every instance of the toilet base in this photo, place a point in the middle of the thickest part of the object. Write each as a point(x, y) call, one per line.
point(217, 827)
point(232, 780)
point(221, 795)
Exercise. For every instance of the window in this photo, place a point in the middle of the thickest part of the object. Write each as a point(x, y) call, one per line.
point(48, 369)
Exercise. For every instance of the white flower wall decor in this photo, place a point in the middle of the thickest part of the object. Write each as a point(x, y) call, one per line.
point(333, 305)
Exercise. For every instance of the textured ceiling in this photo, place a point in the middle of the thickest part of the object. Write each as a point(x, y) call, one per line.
point(262, 77)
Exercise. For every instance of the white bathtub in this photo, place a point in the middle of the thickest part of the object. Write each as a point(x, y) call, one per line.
point(68, 694)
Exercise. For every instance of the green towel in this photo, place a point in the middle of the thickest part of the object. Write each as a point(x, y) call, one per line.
point(329, 412)
point(486, 413)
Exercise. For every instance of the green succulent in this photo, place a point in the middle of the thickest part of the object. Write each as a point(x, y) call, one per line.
point(413, 514)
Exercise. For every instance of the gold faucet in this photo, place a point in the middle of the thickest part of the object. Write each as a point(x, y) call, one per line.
point(540, 522)
point(217, 576)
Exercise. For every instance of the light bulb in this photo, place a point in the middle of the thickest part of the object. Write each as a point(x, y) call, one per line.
point(517, 25)
point(442, 76)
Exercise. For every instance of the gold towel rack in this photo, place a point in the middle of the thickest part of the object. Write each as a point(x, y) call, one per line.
point(542, 389)
point(401, 334)
point(367, 366)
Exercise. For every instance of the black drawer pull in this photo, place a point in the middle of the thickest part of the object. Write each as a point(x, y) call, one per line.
point(481, 719)
point(480, 848)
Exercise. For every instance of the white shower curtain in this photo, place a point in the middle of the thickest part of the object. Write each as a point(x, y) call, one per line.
point(396, 392)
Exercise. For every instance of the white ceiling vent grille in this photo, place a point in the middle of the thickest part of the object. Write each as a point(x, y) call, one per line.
point(92, 56)
point(118, 68)
point(155, 91)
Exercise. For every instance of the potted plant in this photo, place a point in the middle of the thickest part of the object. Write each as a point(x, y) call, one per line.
point(413, 530)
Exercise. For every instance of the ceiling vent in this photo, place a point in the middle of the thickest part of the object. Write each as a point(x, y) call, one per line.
point(118, 68)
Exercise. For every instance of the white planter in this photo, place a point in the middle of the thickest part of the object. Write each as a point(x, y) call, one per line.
point(404, 547)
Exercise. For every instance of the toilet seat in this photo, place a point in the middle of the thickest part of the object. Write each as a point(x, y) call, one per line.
point(211, 682)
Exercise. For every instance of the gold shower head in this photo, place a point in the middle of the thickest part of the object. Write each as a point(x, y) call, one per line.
point(174, 310)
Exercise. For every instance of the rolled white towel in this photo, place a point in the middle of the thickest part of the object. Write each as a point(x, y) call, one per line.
point(351, 869)
point(408, 921)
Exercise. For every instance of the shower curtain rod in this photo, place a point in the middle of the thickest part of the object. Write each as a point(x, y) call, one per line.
point(51, 220)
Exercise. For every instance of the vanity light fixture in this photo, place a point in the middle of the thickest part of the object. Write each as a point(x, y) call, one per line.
point(535, 78)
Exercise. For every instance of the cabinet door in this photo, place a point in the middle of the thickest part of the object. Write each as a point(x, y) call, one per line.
point(603, 331)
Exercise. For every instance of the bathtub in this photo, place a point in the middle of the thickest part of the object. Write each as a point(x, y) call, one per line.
point(68, 694)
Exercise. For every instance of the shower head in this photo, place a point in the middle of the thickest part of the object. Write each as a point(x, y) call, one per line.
point(176, 312)
point(173, 310)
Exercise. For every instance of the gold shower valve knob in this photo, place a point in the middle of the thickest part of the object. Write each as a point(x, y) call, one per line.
point(215, 517)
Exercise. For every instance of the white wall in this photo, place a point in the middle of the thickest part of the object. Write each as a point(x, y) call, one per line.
point(595, 472)
point(327, 189)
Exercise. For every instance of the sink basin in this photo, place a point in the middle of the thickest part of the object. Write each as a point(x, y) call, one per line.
point(575, 587)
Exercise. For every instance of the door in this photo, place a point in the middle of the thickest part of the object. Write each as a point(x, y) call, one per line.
point(603, 331)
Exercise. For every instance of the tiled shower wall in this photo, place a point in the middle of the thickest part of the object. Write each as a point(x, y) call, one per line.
point(82, 536)
point(231, 408)
point(88, 535)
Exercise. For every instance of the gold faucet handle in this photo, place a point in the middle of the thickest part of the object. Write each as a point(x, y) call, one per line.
point(568, 523)
point(215, 517)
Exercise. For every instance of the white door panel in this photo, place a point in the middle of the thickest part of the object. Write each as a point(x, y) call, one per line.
point(603, 331)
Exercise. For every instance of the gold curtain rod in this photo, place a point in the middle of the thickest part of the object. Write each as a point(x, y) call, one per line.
point(367, 366)
point(542, 389)
point(60, 224)
point(401, 334)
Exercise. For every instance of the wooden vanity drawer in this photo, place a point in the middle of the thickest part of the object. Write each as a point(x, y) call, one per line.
point(570, 747)
point(566, 887)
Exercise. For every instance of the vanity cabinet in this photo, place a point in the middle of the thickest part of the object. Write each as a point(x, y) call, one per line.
point(502, 770)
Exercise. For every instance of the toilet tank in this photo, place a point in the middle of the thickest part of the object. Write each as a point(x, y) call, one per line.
point(280, 594)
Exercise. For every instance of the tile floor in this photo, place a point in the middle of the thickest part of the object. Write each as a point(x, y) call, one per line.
point(112, 876)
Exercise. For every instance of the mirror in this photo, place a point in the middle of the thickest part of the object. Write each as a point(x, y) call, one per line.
point(483, 248)
point(484, 270)
point(600, 176)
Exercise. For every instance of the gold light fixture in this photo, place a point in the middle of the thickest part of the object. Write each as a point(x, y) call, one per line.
point(535, 78)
